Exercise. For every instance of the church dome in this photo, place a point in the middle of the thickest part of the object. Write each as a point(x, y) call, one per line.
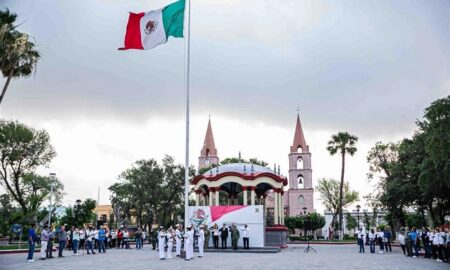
point(243, 168)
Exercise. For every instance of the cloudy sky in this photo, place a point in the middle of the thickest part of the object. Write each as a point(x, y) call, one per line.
point(366, 67)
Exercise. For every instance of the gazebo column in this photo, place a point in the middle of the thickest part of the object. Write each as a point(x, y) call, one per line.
point(281, 208)
point(211, 191)
point(252, 195)
point(275, 206)
point(229, 199)
point(217, 196)
point(197, 197)
point(244, 197)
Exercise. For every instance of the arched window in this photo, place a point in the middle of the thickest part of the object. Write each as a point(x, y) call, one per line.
point(299, 149)
point(301, 181)
point(207, 152)
point(300, 163)
point(301, 200)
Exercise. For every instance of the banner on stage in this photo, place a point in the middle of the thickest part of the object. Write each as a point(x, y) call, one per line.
point(240, 215)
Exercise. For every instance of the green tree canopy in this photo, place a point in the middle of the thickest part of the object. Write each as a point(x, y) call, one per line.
point(150, 191)
point(79, 215)
point(416, 171)
point(22, 150)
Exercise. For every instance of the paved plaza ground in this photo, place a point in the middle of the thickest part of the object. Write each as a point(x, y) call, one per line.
point(327, 257)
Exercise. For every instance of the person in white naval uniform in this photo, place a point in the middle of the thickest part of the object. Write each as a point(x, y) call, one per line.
point(170, 239)
point(161, 243)
point(178, 238)
point(201, 241)
point(189, 243)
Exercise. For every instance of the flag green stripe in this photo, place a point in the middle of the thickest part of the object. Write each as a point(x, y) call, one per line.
point(173, 19)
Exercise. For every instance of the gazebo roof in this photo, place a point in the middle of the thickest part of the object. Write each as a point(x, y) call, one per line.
point(239, 168)
point(246, 171)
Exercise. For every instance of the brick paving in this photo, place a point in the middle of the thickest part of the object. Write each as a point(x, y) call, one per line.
point(328, 257)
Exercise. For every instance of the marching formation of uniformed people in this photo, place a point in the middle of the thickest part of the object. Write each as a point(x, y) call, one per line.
point(165, 241)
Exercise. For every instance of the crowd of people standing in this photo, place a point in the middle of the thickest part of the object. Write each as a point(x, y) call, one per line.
point(435, 243)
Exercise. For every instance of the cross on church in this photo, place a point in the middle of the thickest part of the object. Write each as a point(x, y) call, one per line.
point(298, 109)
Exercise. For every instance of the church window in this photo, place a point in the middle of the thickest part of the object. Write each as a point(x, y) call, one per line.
point(300, 163)
point(207, 152)
point(301, 200)
point(299, 149)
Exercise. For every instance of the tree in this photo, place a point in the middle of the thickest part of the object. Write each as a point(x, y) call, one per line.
point(150, 192)
point(344, 143)
point(22, 150)
point(78, 216)
point(316, 221)
point(329, 190)
point(293, 223)
point(415, 172)
point(7, 211)
point(18, 57)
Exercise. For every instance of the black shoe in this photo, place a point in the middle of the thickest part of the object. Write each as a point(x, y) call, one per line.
point(42, 259)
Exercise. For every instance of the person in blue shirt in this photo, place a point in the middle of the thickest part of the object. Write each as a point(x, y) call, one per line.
point(413, 237)
point(31, 242)
point(101, 240)
point(388, 236)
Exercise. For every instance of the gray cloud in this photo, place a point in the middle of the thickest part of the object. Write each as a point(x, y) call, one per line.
point(368, 67)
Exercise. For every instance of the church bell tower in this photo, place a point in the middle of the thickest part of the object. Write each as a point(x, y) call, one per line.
point(301, 189)
point(208, 154)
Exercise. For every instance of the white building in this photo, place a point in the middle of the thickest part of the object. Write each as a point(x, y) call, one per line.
point(363, 214)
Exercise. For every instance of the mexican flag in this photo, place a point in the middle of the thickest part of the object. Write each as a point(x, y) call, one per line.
point(147, 30)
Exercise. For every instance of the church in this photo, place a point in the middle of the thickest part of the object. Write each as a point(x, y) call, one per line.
point(280, 196)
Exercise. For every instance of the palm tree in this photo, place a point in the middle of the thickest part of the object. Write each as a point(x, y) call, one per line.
point(18, 58)
point(343, 143)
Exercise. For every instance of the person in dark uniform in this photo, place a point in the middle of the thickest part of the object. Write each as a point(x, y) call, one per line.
point(153, 237)
point(224, 235)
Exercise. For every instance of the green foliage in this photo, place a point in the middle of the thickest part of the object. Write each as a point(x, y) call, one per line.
point(416, 171)
point(79, 215)
point(329, 190)
point(415, 219)
point(294, 222)
point(6, 214)
point(150, 192)
point(314, 220)
point(18, 57)
point(22, 150)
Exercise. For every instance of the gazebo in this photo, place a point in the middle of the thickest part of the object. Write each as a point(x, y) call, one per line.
point(240, 184)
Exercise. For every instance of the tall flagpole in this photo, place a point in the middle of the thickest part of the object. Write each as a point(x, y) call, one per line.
point(186, 172)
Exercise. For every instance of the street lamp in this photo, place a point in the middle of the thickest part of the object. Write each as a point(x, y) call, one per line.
point(358, 207)
point(304, 221)
point(77, 210)
point(52, 180)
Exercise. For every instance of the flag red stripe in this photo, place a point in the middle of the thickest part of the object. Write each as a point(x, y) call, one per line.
point(133, 35)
